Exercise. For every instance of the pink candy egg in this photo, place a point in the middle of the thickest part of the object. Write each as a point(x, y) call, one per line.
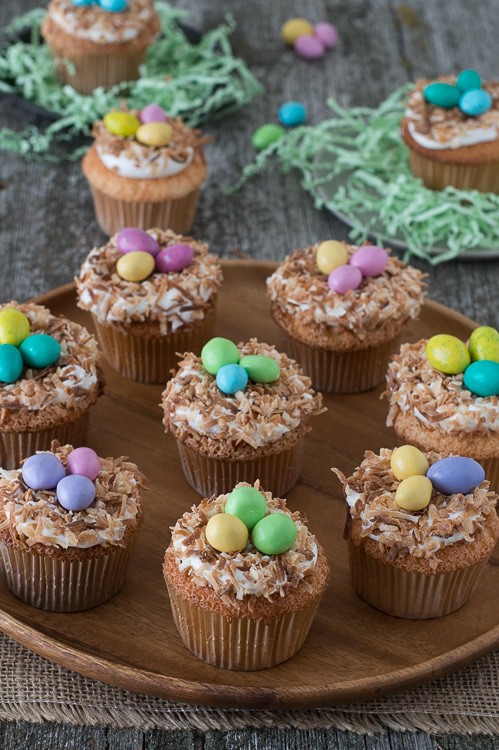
point(85, 462)
point(174, 258)
point(344, 278)
point(131, 239)
point(327, 34)
point(371, 260)
point(153, 113)
point(309, 47)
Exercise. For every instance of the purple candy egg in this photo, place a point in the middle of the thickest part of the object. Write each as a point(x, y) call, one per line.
point(75, 492)
point(327, 34)
point(131, 239)
point(455, 474)
point(344, 278)
point(153, 113)
point(370, 260)
point(174, 258)
point(309, 47)
point(84, 461)
point(43, 471)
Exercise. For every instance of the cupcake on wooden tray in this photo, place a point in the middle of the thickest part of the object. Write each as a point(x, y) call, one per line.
point(420, 530)
point(49, 379)
point(341, 311)
point(145, 170)
point(237, 413)
point(67, 522)
point(151, 294)
point(245, 577)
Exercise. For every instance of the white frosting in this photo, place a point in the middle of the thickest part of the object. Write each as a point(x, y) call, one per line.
point(146, 163)
point(466, 138)
point(101, 32)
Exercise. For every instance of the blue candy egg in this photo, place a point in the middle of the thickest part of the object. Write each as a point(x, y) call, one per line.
point(75, 492)
point(455, 474)
point(40, 350)
point(482, 378)
point(43, 471)
point(232, 378)
point(475, 102)
point(79, 3)
point(113, 6)
point(468, 79)
point(11, 363)
point(292, 114)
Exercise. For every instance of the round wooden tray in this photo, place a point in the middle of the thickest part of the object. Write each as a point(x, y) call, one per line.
point(353, 652)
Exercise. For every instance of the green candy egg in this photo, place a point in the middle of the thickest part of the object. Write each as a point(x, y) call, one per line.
point(482, 378)
point(121, 123)
point(448, 354)
point(248, 504)
point(468, 79)
point(484, 344)
point(218, 352)
point(260, 369)
point(442, 95)
point(11, 363)
point(14, 326)
point(274, 534)
point(265, 135)
point(40, 350)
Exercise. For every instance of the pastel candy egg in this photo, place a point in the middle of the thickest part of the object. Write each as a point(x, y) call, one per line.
point(266, 134)
point(292, 114)
point(11, 363)
point(295, 27)
point(14, 326)
point(309, 47)
point(344, 279)
point(274, 534)
point(414, 493)
point(330, 255)
point(231, 379)
point(371, 260)
point(40, 350)
point(113, 6)
point(475, 102)
point(456, 474)
point(121, 123)
point(155, 134)
point(80, 3)
point(226, 533)
point(174, 258)
point(135, 266)
point(131, 239)
point(43, 471)
point(484, 344)
point(482, 378)
point(442, 95)
point(218, 352)
point(84, 461)
point(153, 113)
point(260, 369)
point(408, 461)
point(248, 504)
point(468, 79)
point(75, 492)
point(327, 33)
point(448, 354)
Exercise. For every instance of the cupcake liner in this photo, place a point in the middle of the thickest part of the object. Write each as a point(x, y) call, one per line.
point(491, 468)
point(99, 70)
point(438, 175)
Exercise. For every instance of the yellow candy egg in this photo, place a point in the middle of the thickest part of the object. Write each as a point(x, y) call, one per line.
point(484, 344)
point(14, 326)
point(121, 123)
point(226, 533)
point(295, 27)
point(330, 255)
point(408, 461)
point(414, 493)
point(155, 134)
point(447, 354)
point(135, 266)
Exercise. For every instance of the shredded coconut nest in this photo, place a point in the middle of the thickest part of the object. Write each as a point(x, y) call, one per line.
point(92, 21)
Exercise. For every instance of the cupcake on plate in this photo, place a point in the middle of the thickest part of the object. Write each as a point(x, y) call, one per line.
point(341, 311)
point(101, 42)
point(245, 577)
point(68, 520)
point(151, 294)
point(145, 170)
point(238, 413)
point(420, 529)
point(49, 379)
point(451, 127)
point(444, 396)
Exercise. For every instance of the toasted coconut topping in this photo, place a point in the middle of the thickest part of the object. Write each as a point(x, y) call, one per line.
point(249, 572)
point(171, 300)
point(35, 516)
point(262, 413)
point(299, 288)
point(99, 25)
point(436, 399)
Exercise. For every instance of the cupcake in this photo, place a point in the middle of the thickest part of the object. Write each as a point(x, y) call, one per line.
point(99, 43)
point(444, 396)
point(238, 413)
point(341, 311)
point(420, 530)
point(145, 170)
point(151, 294)
point(67, 524)
point(245, 577)
point(451, 127)
point(49, 379)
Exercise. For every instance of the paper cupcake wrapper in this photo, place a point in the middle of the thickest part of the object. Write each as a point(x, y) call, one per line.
point(491, 468)
point(438, 175)
point(100, 70)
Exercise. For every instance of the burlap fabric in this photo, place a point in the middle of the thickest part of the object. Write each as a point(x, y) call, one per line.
point(35, 690)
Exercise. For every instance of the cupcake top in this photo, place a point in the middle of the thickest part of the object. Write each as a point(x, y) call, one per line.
point(69, 498)
point(109, 21)
point(156, 277)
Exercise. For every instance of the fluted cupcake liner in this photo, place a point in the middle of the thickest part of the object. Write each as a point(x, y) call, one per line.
point(491, 468)
point(99, 70)
point(438, 175)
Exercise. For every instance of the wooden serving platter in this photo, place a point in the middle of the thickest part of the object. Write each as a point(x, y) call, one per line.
point(353, 652)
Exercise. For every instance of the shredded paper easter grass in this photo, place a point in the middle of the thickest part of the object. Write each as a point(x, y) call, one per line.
point(197, 82)
point(356, 163)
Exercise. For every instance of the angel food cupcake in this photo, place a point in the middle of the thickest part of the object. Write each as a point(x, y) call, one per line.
point(451, 127)
point(145, 170)
point(67, 523)
point(49, 379)
point(151, 294)
point(238, 413)
point(99, 42)
point(420, 530)
point(245, 577)
point(341, 311)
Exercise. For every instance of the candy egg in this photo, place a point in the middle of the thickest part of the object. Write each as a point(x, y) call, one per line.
point(43, 471)
point(11, 363)
point(153, 113)
point(174, 258)
point(85, 462)
point(309, 47)
point(260, 369)
point(75, 492)
point(442, 94)
point(456, 474)
point(121, 123)
point(484, 344)
point(468, 79)
point(475, 102)
point(414, 493)
point(135, 266)
point(80, 3)
point(327, 33)
point(113, 6)
point(295, 27)
point(292, 114)
point(274, 534)
point(265, 135)
point(155, 134)
point(408, 461)
point(131, 239)
point(482, 378)
point(14, 326)
point(226, 533)
point(344, 279)
point(331, 254)
point(248, 504)
point(231, 379)
point(371, 260)
point(40, 350)
point(218, 352)
point(448, 354)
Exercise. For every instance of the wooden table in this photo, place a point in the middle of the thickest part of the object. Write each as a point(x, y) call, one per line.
point(47, 225)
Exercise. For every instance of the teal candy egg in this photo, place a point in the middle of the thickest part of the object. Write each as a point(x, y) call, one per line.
point(248, 504)
point(292, 114)
point(442, 95)
point(475, 102)
point(274, 534)
point(482, 378)
point(11, 363)
point(468, 79)
point(218, 352)
point(231, 379)
point(484, 343)
point(40, 350)
point(260, 369)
